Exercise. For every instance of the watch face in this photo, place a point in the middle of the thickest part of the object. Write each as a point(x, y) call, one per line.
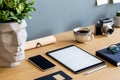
point(114, 48)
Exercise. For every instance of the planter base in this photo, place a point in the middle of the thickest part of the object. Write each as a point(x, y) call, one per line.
point(117, 21)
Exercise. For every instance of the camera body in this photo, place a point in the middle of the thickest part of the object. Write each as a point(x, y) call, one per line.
point(105, 26)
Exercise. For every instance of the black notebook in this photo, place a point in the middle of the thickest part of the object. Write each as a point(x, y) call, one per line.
point(108, 56)
point(60, 75)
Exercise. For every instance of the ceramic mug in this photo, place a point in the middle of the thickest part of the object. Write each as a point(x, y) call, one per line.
point(83, 34)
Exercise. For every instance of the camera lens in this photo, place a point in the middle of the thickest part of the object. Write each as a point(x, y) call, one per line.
point(109, 31)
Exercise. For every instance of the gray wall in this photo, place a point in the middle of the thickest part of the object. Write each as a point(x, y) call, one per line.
point(56, 16)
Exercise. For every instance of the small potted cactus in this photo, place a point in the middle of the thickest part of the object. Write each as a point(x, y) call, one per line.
point(117, 19)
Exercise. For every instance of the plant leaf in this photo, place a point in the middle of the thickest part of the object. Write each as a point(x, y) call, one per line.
point(1, 1)
point(21, 7)
point(15, 10)
point(18, 10)
point(32, 2)
point(29, 16)
point(23, 1)
point(32, 9)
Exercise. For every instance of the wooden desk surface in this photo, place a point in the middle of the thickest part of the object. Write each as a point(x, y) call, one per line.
point(27, 71)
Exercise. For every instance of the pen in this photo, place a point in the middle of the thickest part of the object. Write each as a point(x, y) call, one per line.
point(96, 69)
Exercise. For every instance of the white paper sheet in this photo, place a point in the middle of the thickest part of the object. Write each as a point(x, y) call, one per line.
point(102, 2)
point(116, 1)
point(74, 58)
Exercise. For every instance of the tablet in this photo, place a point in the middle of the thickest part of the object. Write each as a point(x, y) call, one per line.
point(75, 58)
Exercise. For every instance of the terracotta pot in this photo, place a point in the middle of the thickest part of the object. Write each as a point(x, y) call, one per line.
point(117, 21)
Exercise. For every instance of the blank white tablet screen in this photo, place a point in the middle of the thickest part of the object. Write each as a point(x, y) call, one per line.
point(74, 58)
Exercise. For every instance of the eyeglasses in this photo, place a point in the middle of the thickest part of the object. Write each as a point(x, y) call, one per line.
point(114, 48)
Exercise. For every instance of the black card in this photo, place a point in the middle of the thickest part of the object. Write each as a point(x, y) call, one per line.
point(60, 75)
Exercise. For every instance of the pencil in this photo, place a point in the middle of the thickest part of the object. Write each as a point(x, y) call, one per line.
point(96, 69)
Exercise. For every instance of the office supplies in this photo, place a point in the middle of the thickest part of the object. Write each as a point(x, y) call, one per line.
point(40, 42)
point(75, 59)
point(116, 1)
point(96, 69)
point(101, 2)
point(41, 62)
point(60, 75)
point(107, 55)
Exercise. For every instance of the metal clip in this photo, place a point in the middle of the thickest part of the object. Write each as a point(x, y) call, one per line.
point(38, 45)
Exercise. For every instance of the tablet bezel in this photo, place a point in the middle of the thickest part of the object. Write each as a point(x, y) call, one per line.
point(89, 67)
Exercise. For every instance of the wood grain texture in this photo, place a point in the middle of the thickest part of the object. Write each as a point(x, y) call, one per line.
point(27, 71)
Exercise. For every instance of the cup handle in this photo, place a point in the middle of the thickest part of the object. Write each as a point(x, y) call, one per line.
point(90, 37)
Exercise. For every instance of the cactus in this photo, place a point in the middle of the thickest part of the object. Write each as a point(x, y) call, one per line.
point(118, 13)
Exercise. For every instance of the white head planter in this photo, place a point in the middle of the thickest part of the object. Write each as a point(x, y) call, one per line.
point(12, 41)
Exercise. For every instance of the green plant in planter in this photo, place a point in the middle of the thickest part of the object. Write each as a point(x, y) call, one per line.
point(118, 13)
point(15, 10)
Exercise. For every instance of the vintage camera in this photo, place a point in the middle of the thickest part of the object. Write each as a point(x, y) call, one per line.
point(105, 26)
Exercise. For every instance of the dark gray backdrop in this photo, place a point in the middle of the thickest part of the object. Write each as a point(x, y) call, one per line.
point(56, 16)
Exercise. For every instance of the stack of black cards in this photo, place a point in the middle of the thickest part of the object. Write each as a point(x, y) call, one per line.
point(60, 75)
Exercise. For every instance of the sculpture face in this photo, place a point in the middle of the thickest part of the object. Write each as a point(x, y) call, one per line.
point(12, 41)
